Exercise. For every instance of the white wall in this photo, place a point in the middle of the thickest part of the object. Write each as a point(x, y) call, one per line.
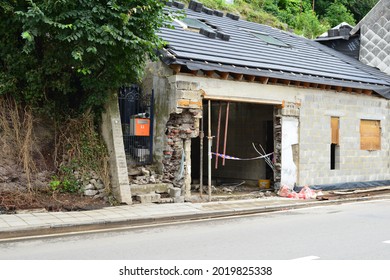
point(289, 139)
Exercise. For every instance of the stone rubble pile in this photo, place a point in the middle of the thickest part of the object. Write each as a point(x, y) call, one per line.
point(143, 175)
point(92, 185)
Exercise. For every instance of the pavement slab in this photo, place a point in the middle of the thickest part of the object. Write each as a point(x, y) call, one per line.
point(28, 225)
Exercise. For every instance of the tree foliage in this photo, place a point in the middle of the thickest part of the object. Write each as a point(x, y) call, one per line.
point(338, 13)
point(309, 18)
point(65, 56)
point(358, 8)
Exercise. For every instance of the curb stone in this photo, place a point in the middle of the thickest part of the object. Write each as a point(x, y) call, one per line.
point(193, 214)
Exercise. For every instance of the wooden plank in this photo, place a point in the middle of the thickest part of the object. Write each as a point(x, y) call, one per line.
point(335, 124)
point(370, 135)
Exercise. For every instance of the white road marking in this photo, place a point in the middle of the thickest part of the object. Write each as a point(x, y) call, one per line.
point(308, 258)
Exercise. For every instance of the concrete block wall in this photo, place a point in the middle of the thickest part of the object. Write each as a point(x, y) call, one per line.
point(315, 138)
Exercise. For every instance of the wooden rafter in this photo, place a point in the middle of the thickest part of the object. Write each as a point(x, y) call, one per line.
point(367, 91)
point(238, 77)
point(223, 75)
point(209, 73)
point(250, 78)
point(266, 80)
point(263, 80)
point(176, 68)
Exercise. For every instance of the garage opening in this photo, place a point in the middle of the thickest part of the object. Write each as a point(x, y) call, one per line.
point(245, 132)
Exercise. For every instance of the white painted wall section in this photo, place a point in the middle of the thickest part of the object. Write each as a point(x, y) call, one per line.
point(289, 138)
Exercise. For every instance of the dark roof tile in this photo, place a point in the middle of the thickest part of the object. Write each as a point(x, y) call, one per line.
point(248, 53)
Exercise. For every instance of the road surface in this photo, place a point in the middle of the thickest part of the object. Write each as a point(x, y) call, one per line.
point(352, 231)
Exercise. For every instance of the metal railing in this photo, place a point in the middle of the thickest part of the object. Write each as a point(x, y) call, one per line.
point(136, 110)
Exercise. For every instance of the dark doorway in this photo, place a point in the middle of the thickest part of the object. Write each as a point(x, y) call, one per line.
point(248, 124)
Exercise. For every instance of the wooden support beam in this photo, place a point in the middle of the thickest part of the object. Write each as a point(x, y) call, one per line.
point(238, 77)
point(263, 80)
point(176, 68)
point(358, 90)
point(223, 75)
point(339, 88)
point(367, 91)
point(328, 87)
point(250, 78)
point(273, 81)
point(348, 89)
point(297, 83)
point(306, 84)
point(322, 86)
point(209, 73)
point(286, 82)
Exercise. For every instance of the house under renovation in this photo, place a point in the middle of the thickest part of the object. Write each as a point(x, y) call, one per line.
point(236, 101)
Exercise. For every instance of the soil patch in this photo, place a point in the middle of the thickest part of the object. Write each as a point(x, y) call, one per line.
point(12, 202)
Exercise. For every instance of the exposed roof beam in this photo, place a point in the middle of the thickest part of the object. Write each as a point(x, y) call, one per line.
point(267, 80)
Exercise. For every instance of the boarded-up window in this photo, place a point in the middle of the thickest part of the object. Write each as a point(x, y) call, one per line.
point(335, 130)
point(370, 135)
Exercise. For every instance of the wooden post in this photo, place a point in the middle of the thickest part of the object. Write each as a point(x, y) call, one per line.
point(210, 138)
point(201, 136)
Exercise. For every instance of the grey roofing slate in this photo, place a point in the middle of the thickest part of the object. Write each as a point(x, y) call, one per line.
point(305, 60)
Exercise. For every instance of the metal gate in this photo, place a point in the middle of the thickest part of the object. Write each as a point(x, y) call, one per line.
point(136, 110)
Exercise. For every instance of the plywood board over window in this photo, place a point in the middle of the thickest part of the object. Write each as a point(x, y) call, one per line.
point(370, 135)
point(335, 130)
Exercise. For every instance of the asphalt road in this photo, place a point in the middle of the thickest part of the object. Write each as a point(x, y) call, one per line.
point(353, 231)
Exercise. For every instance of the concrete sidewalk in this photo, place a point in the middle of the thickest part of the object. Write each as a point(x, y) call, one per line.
point(32, 224)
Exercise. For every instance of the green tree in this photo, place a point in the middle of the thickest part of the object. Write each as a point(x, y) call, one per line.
point(359, 8)
point(66, 56)
point(338, 13)
point(308, 25)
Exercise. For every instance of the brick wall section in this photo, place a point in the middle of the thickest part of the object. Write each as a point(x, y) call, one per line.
point(315, 138)
point(182, 125)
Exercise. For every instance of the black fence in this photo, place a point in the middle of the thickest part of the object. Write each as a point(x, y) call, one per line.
point(136, 110)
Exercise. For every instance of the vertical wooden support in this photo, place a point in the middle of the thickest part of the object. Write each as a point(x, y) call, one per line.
point(226, 130)
point(210, 139)
point(201, 136)
point(218, 132)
